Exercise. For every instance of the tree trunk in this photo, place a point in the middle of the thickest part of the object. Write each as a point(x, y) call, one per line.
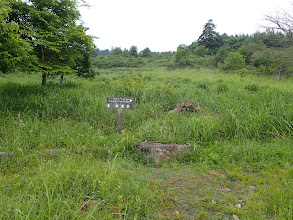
point(44, 76)
point(44, 80)
point(61, 80)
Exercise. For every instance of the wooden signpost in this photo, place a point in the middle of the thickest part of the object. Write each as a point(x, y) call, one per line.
point(119, 103)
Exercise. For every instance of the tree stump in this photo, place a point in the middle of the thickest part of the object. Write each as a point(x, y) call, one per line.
point(162, 152)
point(185, 107)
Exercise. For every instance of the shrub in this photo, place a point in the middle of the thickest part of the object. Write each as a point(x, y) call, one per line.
point(171, 66)
point(201, 51)
point(242, 72)
point(182, 57)
point(234, 61)
point(221, 88)
point(221, 55)
point(252, 88)
point(202, 85)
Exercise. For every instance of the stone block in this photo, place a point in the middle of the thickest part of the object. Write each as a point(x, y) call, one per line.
point(163, 152)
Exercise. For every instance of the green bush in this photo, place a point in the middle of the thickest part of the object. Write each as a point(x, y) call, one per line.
point(252, 88)
point(202, 85)
point(234, 61)
point(221, 88)
point(171, 66)
point(183, 56)
point(242, 72)
point(201, 51)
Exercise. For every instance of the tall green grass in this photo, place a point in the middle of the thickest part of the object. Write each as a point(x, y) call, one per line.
point(245, 122)
point(75, 116)
point(56, 188)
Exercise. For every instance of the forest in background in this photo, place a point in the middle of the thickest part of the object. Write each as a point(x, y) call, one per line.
point(46, 37)
point(262, 53)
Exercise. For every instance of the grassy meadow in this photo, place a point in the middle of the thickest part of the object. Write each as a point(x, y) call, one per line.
point(242, 163)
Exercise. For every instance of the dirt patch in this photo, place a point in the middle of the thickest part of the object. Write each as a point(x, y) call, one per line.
point(198, 194)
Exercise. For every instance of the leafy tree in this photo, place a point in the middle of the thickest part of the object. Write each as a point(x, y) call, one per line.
point(193, 46)
point(201, 51)
point(234, 61)
point(125, 53)
point(116, 51)
point(182, 57)
point(60, 45)
point(14, 51)
point(270, 39)
point(250, 48)
point(133, 51)
point(271, 61)
point(235, 42)
point(101, 62)
point(221, 55)
point(146, 52)
point(209, 37)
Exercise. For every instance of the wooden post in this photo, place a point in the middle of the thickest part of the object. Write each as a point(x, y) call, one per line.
point(119, 103)
point(119, 121)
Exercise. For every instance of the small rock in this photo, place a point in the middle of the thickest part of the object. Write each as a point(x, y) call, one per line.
point(177, 213)
point(238, 206)
point(235, 217)
point(87, 204)
point(225, 189)
point(251, 188)
point(6, 155)
point(48, 152)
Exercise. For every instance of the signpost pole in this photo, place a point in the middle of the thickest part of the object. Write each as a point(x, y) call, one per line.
point(119, 121)
point(119, 103)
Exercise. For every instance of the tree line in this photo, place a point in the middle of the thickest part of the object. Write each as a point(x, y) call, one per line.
point(267, 53)
point(116, 57)
point(43, 36)
point(46, 37)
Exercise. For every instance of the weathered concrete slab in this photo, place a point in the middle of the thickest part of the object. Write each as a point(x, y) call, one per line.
point(163, 152)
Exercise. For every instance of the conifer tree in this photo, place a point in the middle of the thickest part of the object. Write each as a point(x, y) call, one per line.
point(209, 37)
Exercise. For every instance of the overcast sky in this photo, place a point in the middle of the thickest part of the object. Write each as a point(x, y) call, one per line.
point(162, 25)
